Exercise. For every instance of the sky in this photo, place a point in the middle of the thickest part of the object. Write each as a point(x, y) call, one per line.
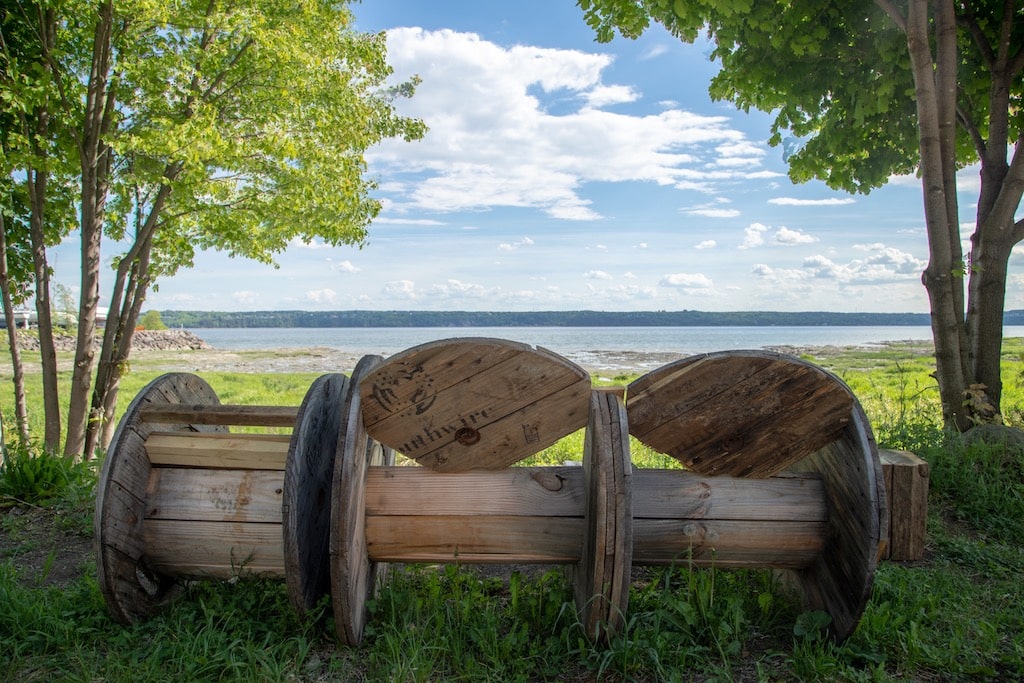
point(559, 173)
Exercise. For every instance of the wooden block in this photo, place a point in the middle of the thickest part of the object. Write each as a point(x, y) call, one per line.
point(906, 485)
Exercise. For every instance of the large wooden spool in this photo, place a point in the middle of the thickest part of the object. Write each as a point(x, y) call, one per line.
point(180, 497)
point(803, 491)
point(326, 508)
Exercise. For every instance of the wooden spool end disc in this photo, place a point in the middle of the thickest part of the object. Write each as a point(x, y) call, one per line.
point(131, 589)
point(602, 578)
point(741, 413)
point(839, 581)
point(354, 578)
point(474, 403)
point(306, 506)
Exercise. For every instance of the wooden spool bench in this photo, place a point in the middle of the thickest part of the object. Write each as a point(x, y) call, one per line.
point(809, 500)
point(783, 473)
point(180, 497)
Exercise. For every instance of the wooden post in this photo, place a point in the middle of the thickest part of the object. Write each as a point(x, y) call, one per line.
point(906, 483)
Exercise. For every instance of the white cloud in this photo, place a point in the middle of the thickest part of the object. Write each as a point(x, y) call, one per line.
point(512, 246)
point(687, 281)
point(299, 243)
point(501, 147)
point(753, 236)
point(322, 296)
point(791, 201)
point(706, 244)
point(714, 213)
point(246, 297)
point(603, 96)
point(346, 267)
point(402, 289)
point(597, 275)
point(458, 290)
point(786, 236)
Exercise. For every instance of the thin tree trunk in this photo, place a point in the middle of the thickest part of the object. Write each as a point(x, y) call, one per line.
point(95, 158)
point(20, 405)
point(941, 278)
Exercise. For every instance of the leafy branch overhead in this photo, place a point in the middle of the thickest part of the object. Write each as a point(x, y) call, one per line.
point(862, 91)
point(237, 125)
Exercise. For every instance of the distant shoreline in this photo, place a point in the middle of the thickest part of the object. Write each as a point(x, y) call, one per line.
point(461, 319)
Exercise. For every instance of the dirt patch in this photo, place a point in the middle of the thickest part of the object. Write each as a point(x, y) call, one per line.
point(50, 547)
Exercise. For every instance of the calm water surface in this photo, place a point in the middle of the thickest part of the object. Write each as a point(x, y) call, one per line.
point(567, 340)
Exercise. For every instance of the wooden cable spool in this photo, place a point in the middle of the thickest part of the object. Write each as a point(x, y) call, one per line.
point(756, 414)
point(180, 497)
point(783, 473)
point(812, 507)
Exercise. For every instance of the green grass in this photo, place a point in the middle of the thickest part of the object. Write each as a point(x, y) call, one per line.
point(958, 615)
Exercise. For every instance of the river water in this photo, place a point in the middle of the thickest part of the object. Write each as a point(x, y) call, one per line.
point(568, 340)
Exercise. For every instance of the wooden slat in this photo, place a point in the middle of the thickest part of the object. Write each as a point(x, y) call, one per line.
point(462, 404)
point(482, 539)
point(218, 450)
point(237, 415)
point(214, 550)
point(677, 494)
point(517, 491)
point(728, 544)
point(742, 413)
point(215, 495)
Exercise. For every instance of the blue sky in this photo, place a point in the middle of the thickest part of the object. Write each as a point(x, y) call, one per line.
point(560, 173)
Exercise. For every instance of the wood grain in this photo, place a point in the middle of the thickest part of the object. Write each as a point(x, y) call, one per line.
point(218, 450)
point(461, 404)
point(214, 550)
point(741, 413)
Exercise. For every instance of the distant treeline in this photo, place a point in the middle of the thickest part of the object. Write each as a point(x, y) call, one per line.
point(196, 319)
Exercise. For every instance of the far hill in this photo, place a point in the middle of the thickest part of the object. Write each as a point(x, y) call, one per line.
point(206, 319)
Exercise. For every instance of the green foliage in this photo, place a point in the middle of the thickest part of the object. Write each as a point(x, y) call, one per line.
point(151, 320)
point(36, 478)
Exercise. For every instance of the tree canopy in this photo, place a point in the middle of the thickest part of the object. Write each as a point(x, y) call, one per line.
point(238, 125)
point(861, 91)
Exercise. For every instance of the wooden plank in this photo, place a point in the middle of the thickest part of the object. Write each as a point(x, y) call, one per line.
point(215, 495)
point(214, 550)
point(237, 415)
point(678, 494)
point(742, 413)
point(906, 484)
point(462, 404)
point(481, 539)
point(218, 450)
point(728, 544)
point(517, 491)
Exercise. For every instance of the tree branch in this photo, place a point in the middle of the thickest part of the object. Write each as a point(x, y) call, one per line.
point(894, 13)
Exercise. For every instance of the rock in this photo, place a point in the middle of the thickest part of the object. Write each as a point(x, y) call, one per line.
point(142, 340)
point(1011, 438)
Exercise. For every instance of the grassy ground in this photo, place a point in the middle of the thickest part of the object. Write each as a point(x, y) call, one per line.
point(958, 614)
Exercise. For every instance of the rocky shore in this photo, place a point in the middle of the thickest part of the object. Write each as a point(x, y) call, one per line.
point(143, 340)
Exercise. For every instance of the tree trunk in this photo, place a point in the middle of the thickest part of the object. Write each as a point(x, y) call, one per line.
point(20, 405)
point(95, 159)
point(942, 277)
point(36, 182)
